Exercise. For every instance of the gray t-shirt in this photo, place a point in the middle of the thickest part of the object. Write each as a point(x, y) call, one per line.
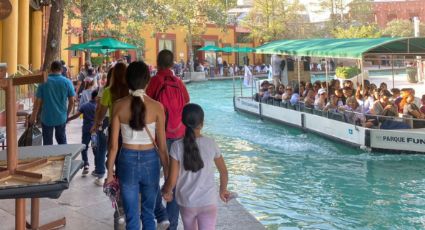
point(197, 189)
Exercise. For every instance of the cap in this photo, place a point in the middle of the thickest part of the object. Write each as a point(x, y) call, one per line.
point(321, 91)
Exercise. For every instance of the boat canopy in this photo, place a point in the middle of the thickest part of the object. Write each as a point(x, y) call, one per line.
point(354, 48)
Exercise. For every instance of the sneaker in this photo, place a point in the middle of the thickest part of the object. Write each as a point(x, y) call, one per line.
point(98, 182)
point(163, 225)
point(94, 173)
point(86, 170)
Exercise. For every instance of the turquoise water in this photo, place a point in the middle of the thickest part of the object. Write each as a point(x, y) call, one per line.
point(289, 179)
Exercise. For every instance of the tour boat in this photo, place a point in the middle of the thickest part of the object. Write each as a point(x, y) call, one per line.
point(333, 125)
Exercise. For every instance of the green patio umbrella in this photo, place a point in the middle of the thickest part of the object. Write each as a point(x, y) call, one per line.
point(244, 50)
point(210, 48)
point(83, 46)
point(229, 49)
point(109, 44)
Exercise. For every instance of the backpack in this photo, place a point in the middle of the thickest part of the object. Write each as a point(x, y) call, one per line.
point(171, 97)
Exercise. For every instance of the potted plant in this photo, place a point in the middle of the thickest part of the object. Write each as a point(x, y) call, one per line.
point(412, 74)
point(347, 72)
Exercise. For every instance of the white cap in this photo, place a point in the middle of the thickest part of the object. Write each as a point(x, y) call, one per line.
point(321, 91)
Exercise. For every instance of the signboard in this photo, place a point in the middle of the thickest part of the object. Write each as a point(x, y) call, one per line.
point(5, 9)
point(388, 139)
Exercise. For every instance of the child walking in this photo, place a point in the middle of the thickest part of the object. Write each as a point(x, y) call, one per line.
point(192, 172)
point(88, 110)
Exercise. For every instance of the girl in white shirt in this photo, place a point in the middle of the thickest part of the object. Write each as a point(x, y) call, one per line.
point(192, 172)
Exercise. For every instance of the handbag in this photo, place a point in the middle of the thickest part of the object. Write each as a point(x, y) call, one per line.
point(32, 136)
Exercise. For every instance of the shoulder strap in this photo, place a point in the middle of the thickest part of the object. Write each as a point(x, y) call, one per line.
point(150, 136)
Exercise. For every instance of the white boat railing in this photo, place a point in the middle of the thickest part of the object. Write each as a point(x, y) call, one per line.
point(344, 116)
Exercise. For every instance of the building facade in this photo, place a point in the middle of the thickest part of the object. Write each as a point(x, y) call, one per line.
point(386, 11)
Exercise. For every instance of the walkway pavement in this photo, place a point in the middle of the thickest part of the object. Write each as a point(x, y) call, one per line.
point(86, 207)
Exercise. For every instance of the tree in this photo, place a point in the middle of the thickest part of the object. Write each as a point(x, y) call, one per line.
point(401, 28)
point(366, 31)
point(54, 34)
point(192, 15)
point(270, 19)
point(360, 12)
point(109, 18)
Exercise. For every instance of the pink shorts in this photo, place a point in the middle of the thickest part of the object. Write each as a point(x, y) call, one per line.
point(202, 218)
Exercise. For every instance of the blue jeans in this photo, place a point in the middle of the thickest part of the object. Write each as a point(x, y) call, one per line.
point(60, 134)
point(100, 155)
point(173, 209)
point(85, 140)
point(139, 173)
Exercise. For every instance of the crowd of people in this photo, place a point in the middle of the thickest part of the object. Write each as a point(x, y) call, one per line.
point(138, 124)
point(365, 104)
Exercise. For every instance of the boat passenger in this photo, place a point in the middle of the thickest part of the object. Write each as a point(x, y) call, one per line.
point(316, 87)
point(364, 99)
point(320, 102)
point(308, 87)
point(269, 93)
point(383, 86)
point(396, 94)
point(309, 99)
point(401, 101)
point(340, 97)
point(411, 109)
point(295, 97)
point(332, 105)
point(348, 83)
point(423, 104)
point(354, 114)
point(288, 94)
point(383, 107)
point(279, 92)
point(347, 91)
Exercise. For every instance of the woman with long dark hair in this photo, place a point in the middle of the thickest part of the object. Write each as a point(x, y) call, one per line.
point(192, 172)
point(140, 120)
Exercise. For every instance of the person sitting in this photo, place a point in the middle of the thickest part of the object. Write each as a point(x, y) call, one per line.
point(383, 106)
point(269, 93)
point(396, 94)
point(411, 109)
point(320, 102)
point(332, 105)
point(264, 87)
point(308, 87)
point(309, 99)
point(401, 100)
point(295, 97)
point(347, 91)
point(288, 94)
point(363, 98)
point(279, 92)
point(348, 83)
point(353, 113)
point(423, 104)
point(383, 86)
point(340, 97)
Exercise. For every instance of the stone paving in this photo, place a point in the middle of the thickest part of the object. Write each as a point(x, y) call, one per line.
point(86, 207)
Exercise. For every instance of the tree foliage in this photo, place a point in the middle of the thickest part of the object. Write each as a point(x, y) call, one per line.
point(344, 14)
point(401, 28)
point(115, 18)
point(366, 31)
point(192, 15)
point(271, 19)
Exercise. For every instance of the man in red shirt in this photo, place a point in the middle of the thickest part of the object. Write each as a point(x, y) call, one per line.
point(168, 89)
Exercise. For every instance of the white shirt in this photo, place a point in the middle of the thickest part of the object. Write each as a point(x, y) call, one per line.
point(219, 60)
point(197, 189)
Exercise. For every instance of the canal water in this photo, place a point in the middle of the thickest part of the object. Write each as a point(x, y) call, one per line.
point(290, 180)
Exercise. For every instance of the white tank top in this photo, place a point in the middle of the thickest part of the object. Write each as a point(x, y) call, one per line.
point(134, 137)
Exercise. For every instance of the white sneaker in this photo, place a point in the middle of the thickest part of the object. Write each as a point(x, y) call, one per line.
point(163, 225)
point(99, 182)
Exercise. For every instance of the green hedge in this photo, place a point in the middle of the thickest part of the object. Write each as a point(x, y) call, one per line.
point(347, 72)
